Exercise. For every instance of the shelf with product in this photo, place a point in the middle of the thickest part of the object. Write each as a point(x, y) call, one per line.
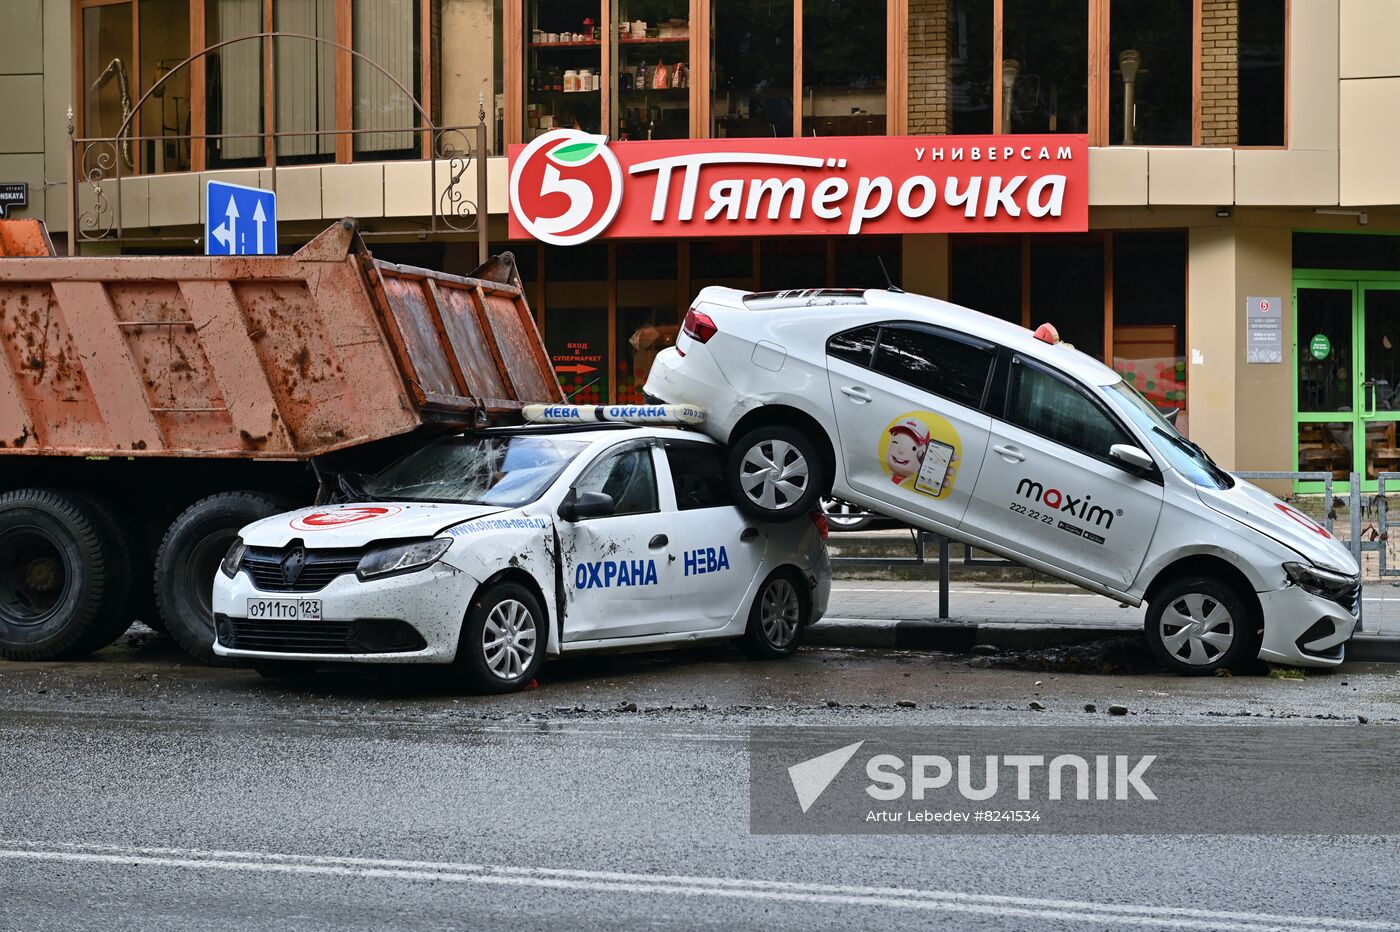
point(651, 56)
point(563, 66)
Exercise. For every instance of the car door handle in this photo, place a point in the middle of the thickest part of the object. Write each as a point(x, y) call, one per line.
point(1010, 452)
point(660, 540)
point(749, 533)
point(856, 392)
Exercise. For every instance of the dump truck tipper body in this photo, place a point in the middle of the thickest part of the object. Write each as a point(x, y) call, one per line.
point(145, 401)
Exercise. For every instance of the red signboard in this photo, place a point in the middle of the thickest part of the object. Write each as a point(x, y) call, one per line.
point(568, 187)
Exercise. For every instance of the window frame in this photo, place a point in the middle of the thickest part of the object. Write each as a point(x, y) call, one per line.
point(1013, 359)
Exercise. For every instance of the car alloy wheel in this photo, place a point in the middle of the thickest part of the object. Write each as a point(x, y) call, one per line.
point(775, 474)
point(780, 612)
point(844, 516)
point(1196, 629)
point(508, 639)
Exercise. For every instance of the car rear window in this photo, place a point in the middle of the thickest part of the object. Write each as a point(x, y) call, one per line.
point(937, 363)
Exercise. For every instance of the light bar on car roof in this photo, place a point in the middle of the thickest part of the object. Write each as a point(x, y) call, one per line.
point(615, 414)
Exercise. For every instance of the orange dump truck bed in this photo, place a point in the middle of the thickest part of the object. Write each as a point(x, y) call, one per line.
point(253, 357)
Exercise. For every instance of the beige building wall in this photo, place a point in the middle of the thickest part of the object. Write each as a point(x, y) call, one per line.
point(22, 101)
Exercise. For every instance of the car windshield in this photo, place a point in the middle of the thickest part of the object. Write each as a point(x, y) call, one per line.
point(507, 469)
point(1186, 457)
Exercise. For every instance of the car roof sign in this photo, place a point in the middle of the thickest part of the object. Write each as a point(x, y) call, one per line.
point(616, 414)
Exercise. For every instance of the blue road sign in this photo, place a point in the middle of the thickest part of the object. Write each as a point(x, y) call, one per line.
point(239, 221)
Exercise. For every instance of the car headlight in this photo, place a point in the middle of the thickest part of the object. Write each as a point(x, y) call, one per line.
point(402, 558)
point(1338, 587)
point(233, 559)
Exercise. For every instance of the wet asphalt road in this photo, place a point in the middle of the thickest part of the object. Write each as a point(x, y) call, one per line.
point(140, 792)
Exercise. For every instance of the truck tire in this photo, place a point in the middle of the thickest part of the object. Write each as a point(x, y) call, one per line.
point(789, 493)
point(120, 548)
point(54, 577)
point(188, 558)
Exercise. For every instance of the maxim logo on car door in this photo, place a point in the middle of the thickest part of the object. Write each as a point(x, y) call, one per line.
point(1061, 503)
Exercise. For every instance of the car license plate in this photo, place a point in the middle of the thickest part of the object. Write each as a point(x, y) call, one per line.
point(284, 609)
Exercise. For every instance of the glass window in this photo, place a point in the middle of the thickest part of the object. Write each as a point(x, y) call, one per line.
point(952, 369)
point(1048, 405)
point(986, 277)
point(563, 66)
point(859, 258)
point(628, 476)
point(652, 63)
point(1045, 66)
point(648, 312)
point(388, 33)
point(727, 262)
point(1362, 251)
point(1185, 457)
point(1149, 317)
point(1325, 379)
point(502, 470)
point(854, 345)
point(1067, 290)
point(1149, 72)
point(1262, 40)
point(233, 78)
point(794, 262)
point(697, 472)
point(843, 68)
point(107, 68)
point(305, 81)
point(752, 68)
point(165, 42)
point(950, 67)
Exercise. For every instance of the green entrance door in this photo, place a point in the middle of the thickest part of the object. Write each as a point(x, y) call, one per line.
point(1347, 385)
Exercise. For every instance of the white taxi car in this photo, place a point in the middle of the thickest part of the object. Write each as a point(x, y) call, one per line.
point(977, 429)
point(495, 548)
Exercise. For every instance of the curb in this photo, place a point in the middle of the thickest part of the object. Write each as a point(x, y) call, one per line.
point(958, 638)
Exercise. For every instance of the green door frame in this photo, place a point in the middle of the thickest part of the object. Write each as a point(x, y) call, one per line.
point(1358, 283)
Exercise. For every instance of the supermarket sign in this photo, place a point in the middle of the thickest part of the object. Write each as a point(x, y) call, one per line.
point(568, 187)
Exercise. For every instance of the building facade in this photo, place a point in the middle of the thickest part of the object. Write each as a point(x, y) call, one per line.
point(1241, 261)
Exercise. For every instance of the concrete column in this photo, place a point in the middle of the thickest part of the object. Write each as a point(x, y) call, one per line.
point(1212, 336)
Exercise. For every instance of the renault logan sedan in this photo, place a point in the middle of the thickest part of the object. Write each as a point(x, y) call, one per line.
point(977, 429)
point(497, 548)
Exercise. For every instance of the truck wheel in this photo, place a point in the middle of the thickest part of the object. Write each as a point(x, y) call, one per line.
point(54, 577)
point(1198, 625)
point(775, 473)
point(502, 642)
point(188, 558)
point(120, 548)
point(780, 611)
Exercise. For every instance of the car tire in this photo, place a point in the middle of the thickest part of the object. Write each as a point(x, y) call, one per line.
point(794, 492)
point(781, 611)
point(503, 639)
point(1200, 624)
point(285, 670)
point(188, 558)
point(839, 515)
point(54, 576)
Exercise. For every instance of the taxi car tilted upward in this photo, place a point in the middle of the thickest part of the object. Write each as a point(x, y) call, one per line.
point(496, 548)
point(975, 428)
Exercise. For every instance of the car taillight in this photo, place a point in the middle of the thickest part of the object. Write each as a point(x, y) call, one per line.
point(822, 524)
point(698, 326)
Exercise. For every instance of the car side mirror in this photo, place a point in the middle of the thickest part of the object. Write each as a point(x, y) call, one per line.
point(1133, 456)
point(578, 505)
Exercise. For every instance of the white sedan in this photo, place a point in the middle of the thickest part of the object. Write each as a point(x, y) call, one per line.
point(494, 549)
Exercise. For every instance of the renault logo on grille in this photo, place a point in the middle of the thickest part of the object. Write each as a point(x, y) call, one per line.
point(292, 565)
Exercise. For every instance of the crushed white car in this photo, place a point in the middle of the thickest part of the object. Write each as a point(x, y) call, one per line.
point(494, 549)
point(1016, 443)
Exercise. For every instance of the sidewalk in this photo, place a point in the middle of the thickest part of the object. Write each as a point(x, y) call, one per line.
point(886, 613)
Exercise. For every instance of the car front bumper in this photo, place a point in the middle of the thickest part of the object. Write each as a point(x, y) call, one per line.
point(432, 602)
point(1304, 630)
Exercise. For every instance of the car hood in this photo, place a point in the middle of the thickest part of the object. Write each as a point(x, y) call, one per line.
point(360, 524)
point(1255, 508)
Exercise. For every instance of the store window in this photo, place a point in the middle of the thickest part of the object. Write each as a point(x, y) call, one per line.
point(728, 263)
point(795, 262)
point(1149, 67)
point(388, 33)
point(1045, 66)
point(1149, 317)
point(1067, 289)
point(305, 81)
point(843, 68)
point(576, 319)
point(986, 276)
point(868, 261)
point(951, 46)
point(1262, 43)
point(647, 311)
point(107, 47)
point(751, 54)
point(652, 55)
point(233, 84)
point(563, 66)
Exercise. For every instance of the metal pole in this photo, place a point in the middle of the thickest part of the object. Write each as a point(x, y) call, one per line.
point(942, 576)
point(1354, 501)
point(72, 185)
point(482, 214)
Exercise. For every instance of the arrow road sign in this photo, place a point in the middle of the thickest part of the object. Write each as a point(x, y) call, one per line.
point(224, 206)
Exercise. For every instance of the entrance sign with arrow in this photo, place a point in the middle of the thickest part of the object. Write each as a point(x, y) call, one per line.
point(239, 221)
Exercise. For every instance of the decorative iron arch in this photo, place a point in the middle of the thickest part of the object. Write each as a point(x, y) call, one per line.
point(455, 210)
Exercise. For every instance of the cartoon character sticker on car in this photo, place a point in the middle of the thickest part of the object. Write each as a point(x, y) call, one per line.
point(919, 450)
